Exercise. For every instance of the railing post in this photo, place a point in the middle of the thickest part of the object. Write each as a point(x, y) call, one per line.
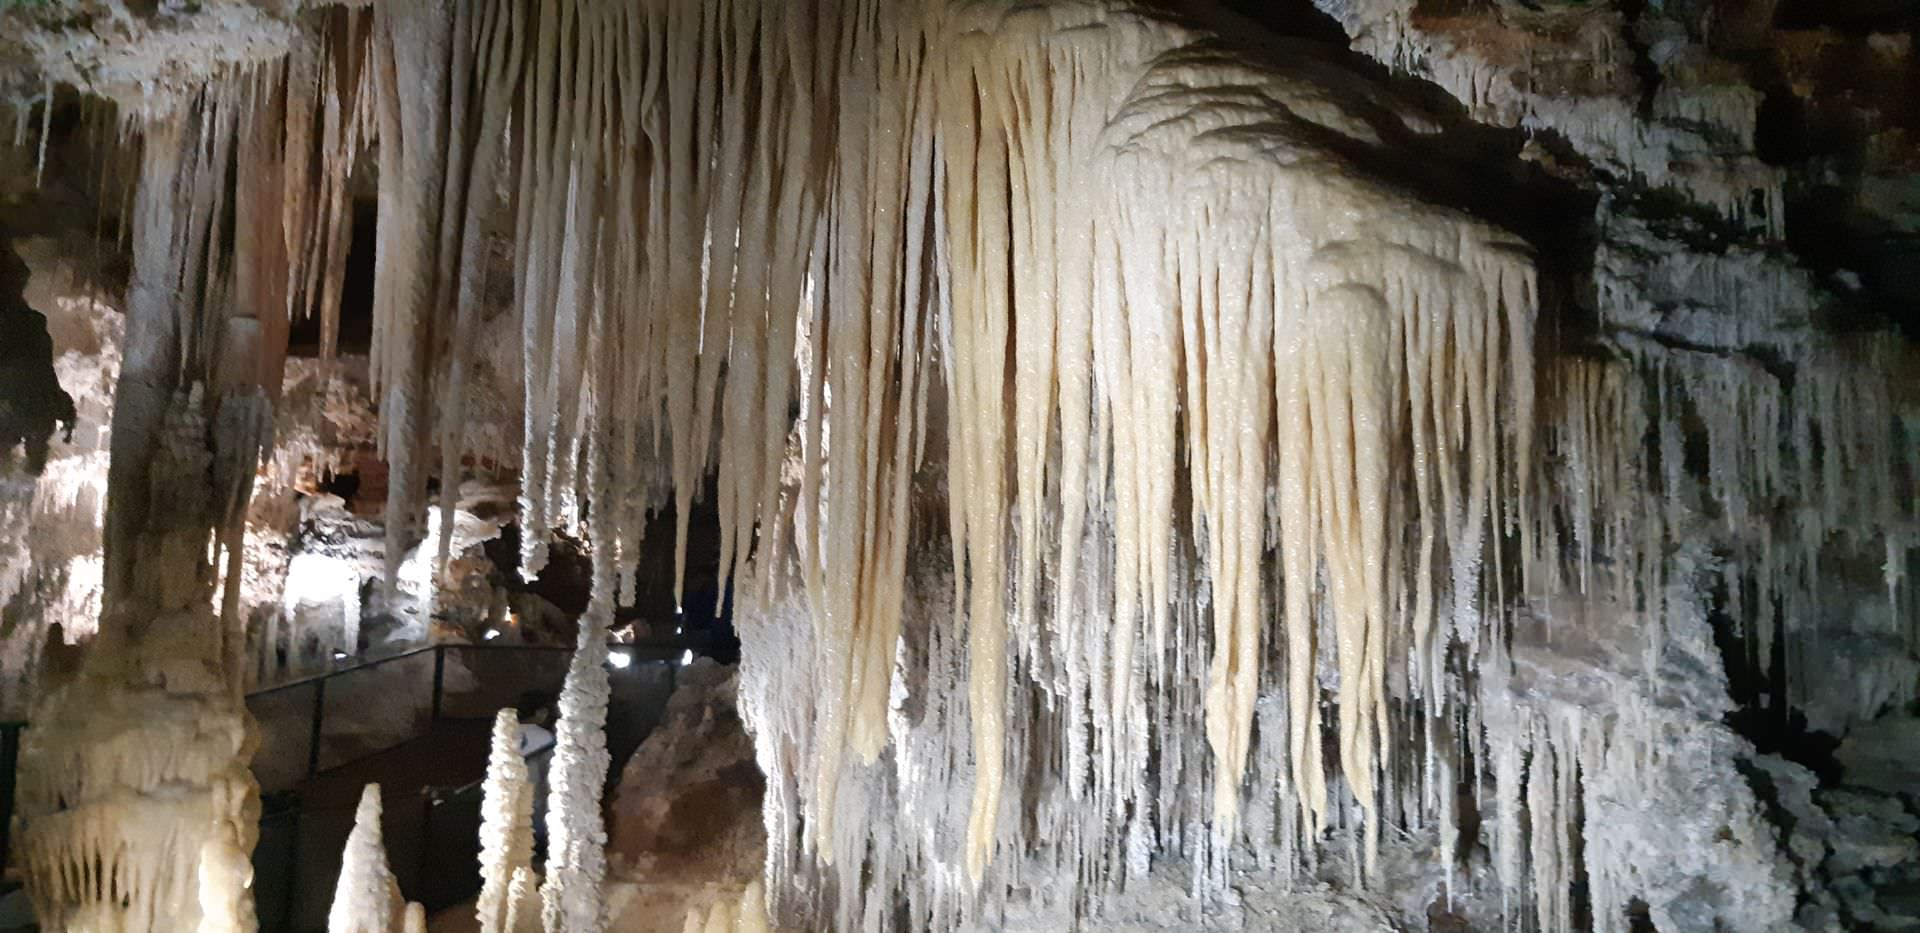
point(292, 871)
point(429, 798)
point(439, 680)
point(9, 760)
point(313, 735)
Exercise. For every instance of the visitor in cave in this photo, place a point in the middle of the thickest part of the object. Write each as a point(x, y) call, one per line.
point(539, 713)
point(706, 621)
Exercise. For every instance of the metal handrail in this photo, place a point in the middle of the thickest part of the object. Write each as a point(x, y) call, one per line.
point(305, 679)
point(10, 731)
point(331, 672)
point(9, 761)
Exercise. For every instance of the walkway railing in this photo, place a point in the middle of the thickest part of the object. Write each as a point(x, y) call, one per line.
point(357, 712)
point(327, 719)
point(319, 722)
point(9, 759)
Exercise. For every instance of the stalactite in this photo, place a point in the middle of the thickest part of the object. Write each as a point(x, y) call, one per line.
point(1237, 435)
point(985, 190)
point(345, 93)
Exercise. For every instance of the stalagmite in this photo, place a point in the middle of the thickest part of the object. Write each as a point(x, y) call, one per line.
point(366, 899)
point(506, 824)
point(523, 903)
point(576, 860)
point(576, 865)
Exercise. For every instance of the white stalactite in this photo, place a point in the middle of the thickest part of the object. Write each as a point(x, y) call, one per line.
point(1237, 435)
point(1006, 179)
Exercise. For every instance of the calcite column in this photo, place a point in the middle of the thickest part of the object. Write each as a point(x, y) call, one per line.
point(137, 810)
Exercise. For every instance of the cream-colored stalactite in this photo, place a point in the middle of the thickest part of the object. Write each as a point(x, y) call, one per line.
point(411, 46)
point(444, 80)
point(1235, 290)
point(979, 239)
point(1147, 236)
point(867, 378)
point(1345, 389)
point(329, 93)
point(544, 123)
point(489, 42)
point(898, 185)
point(1070, 139)
point(1363, 294)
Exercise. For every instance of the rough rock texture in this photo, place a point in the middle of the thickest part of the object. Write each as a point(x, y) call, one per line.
point(1855, 849)
point(1884, 754)
point(59, 511)
point(685, 827)
point(1669, 819)
point(139, 52)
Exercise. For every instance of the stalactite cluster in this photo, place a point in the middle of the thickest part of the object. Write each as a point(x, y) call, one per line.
point(1236, 434)
point(910, 202)
point(1115, 469)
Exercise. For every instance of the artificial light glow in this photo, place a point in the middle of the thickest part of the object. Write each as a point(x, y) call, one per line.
point(490, 634)
point(339, 655)
point(686, 657)
point(620, 660)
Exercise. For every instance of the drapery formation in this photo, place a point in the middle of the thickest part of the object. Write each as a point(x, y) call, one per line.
point(1235, 439)
point(1129, 279)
